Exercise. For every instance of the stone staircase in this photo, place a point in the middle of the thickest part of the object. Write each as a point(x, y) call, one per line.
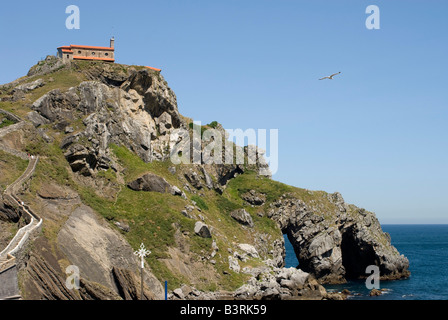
point(9, 289)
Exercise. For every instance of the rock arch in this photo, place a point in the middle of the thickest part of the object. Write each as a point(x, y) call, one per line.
point(338, 243)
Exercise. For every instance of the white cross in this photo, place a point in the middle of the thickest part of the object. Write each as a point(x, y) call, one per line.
point(142, 253)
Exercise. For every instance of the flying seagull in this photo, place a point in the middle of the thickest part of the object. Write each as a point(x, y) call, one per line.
point(330, 77)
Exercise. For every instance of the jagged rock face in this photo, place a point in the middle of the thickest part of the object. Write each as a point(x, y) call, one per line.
point(243, 217)
point(51, 63)
point(46, 280)
point(139, 114)
point(82, 159)
point(337, 245)
point(157, 96)
point(129, 285)
point(7, 212)
point(135, 109)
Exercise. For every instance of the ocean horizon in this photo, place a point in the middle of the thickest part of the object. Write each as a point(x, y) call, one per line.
point(426, 247)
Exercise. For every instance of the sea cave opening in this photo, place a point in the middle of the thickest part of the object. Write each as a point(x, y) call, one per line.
point(290, 255)
point(356, 256)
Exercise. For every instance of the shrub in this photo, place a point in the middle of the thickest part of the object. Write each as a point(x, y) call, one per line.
point(213, 124)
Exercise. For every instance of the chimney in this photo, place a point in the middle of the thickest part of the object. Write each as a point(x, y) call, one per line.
point(112, 43)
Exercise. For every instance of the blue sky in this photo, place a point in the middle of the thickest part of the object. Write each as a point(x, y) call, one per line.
point(377, 133)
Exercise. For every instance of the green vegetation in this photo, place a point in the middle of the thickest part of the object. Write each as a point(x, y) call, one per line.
point(151, 217)
point(136, 167)
point(191, 125)
point(200, 202)
point(213, 124)
point(250, 180)
point(6, 122)
point(108, 174)
point(11, 168)
point(52, 164)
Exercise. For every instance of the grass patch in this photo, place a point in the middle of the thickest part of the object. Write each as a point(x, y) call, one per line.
point(108, 174)
point(200, 202)
point(52, 163)
point(6, 122)
point(136, 167)
point(11, 168)
point(213, 124)
point(225, 205)
point(250, 180)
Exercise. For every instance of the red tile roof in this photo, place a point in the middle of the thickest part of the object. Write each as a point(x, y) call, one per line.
point(72, 46)
point(153, 68)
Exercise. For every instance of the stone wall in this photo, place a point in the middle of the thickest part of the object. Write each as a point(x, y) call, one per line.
point(93, 53)
point(8, 279)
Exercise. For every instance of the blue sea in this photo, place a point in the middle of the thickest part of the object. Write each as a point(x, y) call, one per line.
point(426, 247)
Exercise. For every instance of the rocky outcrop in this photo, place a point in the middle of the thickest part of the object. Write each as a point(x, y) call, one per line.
point(82, 159)
point(18, 93)
point(202, 230)
point(283, 284)
point(280, 284)
point(243, 217)
point(133, 108)
point(7, 212)
point(46, 282)
point(150, 182)
point(30, 86)
point(137, 110)
point(57, 106)
point(249, 250)
point(254, 198)
point(49, 64)
point(129, 285)
point(158, 98)
point(193, 178)
point(339, 243)
point(154, 183)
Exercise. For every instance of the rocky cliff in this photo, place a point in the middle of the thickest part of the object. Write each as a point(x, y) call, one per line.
point(105, 183)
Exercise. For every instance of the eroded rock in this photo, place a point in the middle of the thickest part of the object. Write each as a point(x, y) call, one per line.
point(337, 245)
point(253, 197)
point(243, 217)
point(202, 230)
